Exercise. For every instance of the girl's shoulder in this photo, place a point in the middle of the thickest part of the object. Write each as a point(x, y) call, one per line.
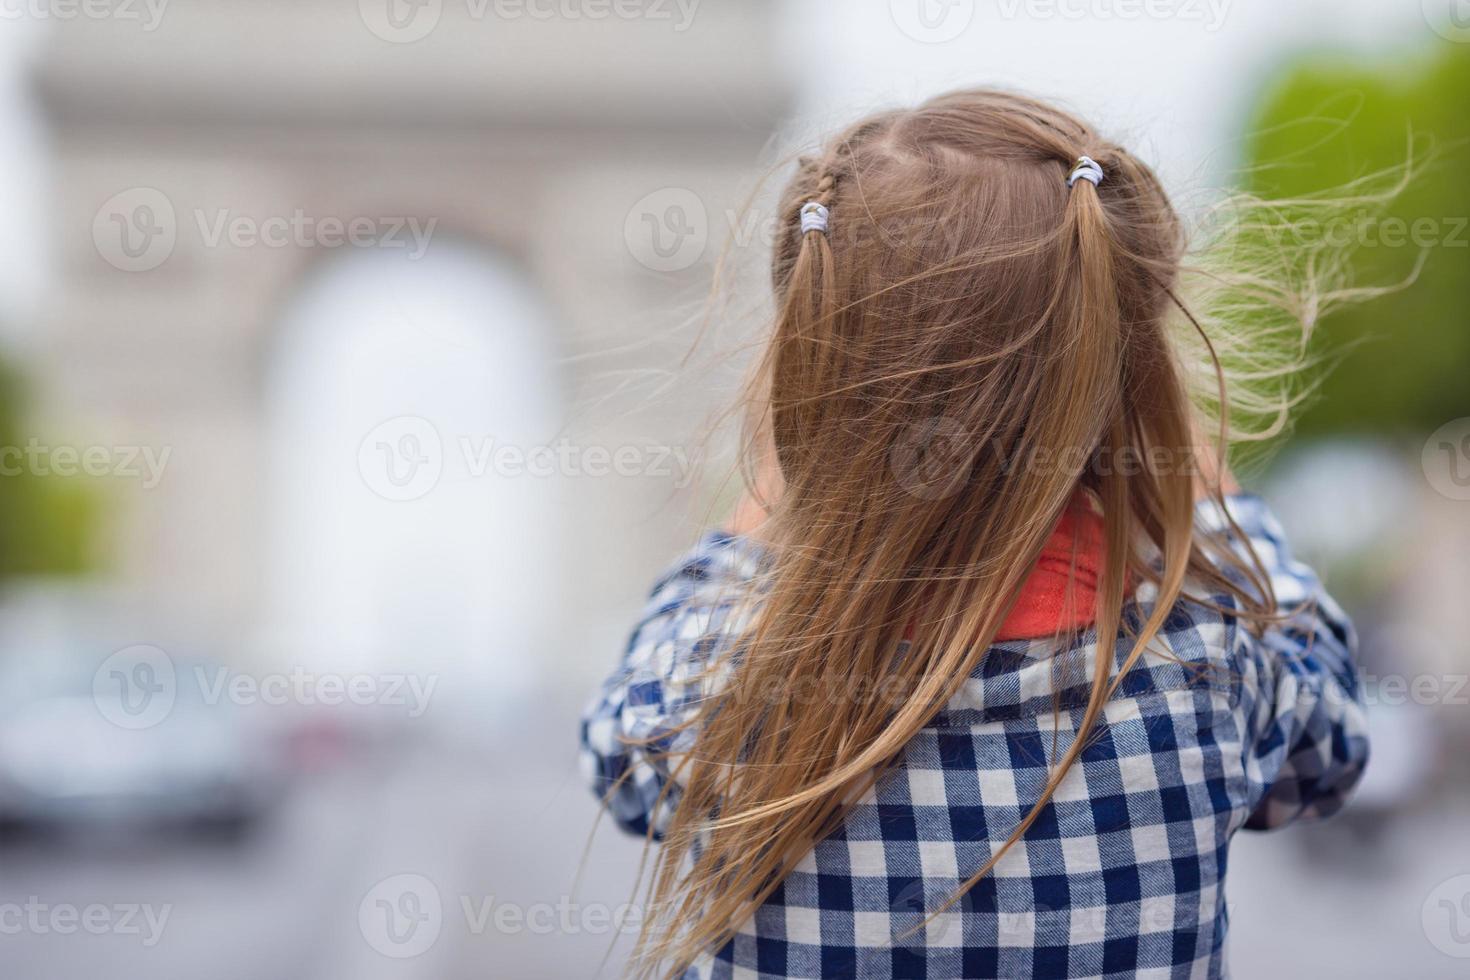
point(1197, 650)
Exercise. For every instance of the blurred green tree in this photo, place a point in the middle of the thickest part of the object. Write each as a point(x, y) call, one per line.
point(1328, 120)
point(48, 524)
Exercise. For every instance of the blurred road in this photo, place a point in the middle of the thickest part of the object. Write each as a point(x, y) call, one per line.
point(285, 902)
point(319, 892)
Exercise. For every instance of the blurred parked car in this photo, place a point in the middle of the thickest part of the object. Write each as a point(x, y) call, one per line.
point(65, 764)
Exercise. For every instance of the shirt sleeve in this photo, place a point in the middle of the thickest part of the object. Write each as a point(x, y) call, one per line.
point(1307, 742)
point(676, 657)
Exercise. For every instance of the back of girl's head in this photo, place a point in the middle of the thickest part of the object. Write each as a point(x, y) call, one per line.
point(971, 325)
point(977, 339)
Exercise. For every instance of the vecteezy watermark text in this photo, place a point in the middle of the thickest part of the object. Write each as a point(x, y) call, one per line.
point(147, 13)
point(137, 687)
point(36, 458)
point(304, 687)
point(407, 21)
point(37, 917)
point(405, 457)
point(1210, 13)
point(403, 915)
point(137, 230)
point(302, 230)
point(938, 21)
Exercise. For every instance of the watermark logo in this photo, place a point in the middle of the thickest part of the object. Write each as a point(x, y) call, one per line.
point(667, 230)
point(402, 459)
point(1446, 917)
point(931, 458)
point(911, 909)
point(1446, 459)
point(1450, 19)
point(932, 21)
point(401, 916)
point(136, 687)
point(135, 230)
point(400, 21)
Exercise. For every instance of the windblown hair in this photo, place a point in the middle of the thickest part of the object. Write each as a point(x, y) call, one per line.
point(972, 346)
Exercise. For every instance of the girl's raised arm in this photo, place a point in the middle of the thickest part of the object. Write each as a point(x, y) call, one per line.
point(1306, 733)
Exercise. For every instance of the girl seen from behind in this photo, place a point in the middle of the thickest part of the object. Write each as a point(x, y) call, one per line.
point(995, 658)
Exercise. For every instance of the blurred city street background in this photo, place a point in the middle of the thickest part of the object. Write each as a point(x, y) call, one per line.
point(347, 413)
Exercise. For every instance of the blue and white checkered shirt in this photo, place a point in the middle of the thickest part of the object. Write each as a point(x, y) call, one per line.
point(1122, 875)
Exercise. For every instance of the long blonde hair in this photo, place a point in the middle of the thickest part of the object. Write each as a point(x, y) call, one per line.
point(970, 344)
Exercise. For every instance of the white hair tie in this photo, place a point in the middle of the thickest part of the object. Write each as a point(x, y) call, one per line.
point(813, 217)
point(1086, 169)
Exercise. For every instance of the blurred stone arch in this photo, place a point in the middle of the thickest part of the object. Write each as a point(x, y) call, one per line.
point(537, 136)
